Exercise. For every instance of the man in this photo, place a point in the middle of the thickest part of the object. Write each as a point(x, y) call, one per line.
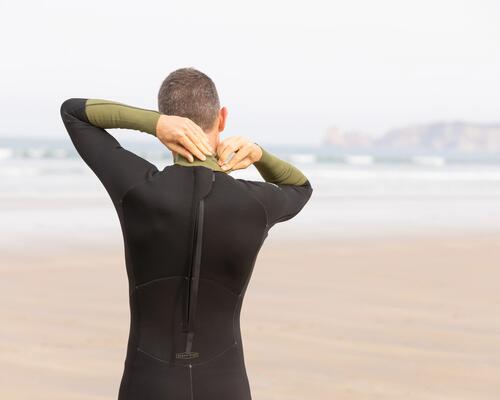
point(191, 234)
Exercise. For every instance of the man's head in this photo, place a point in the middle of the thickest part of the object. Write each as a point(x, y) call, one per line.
point(187, 92)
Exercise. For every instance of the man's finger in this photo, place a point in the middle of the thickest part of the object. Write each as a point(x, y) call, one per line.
point(182, 151)
point(196, 129)
point(189, 145)
point(197, 136)
point(195, 145)
point(242, 164)
point(220, 148)
point(223, 144)
point(232, 145)
point(239, 155)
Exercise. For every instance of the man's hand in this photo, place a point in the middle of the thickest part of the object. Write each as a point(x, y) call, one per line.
point(183, 136)
point(246, 153)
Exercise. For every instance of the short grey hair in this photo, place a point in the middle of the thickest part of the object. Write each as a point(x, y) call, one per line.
point(187, 92)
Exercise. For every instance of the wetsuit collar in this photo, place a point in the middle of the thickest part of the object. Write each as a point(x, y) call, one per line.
point(210, 162)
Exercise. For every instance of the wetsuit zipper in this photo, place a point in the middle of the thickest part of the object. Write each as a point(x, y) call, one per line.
point(194, 280)
point(195, 277)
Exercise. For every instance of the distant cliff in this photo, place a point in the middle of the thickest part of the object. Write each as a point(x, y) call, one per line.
point(449, 137)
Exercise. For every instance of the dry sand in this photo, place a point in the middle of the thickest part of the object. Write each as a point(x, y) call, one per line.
point(374, 318)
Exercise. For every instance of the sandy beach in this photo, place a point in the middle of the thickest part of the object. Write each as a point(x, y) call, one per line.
point(390, 317)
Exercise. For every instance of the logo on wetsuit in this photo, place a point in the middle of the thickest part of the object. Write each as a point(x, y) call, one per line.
point(187, 355)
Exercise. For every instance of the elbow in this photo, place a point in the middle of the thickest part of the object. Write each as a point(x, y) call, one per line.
point(72, 107)
point(307, 184)
point(309, 188)
point(66, 106)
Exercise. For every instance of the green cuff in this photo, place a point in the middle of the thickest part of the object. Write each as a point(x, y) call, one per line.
point(278, 171)
point(109, 114)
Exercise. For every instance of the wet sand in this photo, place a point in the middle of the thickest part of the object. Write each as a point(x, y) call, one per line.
point(413, 317)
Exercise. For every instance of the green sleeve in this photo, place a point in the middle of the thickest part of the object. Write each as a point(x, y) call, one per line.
point(109, 114)
point(278, 171)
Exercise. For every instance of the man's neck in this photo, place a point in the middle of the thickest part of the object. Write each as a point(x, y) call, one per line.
point(210, 162)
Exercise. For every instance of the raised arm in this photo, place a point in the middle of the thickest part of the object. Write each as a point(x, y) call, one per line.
point(286, 189)
point(289, 191)
point(117, 168)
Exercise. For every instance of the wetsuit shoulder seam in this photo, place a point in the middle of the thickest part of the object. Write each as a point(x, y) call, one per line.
point(137, 184)
point(258, 201)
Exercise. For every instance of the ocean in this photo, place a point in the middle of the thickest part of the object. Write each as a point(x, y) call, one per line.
point(47, 188)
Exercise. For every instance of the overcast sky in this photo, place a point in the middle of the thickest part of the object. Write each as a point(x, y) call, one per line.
point(286, 70)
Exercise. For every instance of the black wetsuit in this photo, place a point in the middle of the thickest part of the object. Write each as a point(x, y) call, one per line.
point(191, 237)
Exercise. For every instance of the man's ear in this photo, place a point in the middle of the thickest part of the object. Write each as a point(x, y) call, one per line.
point(222, 118)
